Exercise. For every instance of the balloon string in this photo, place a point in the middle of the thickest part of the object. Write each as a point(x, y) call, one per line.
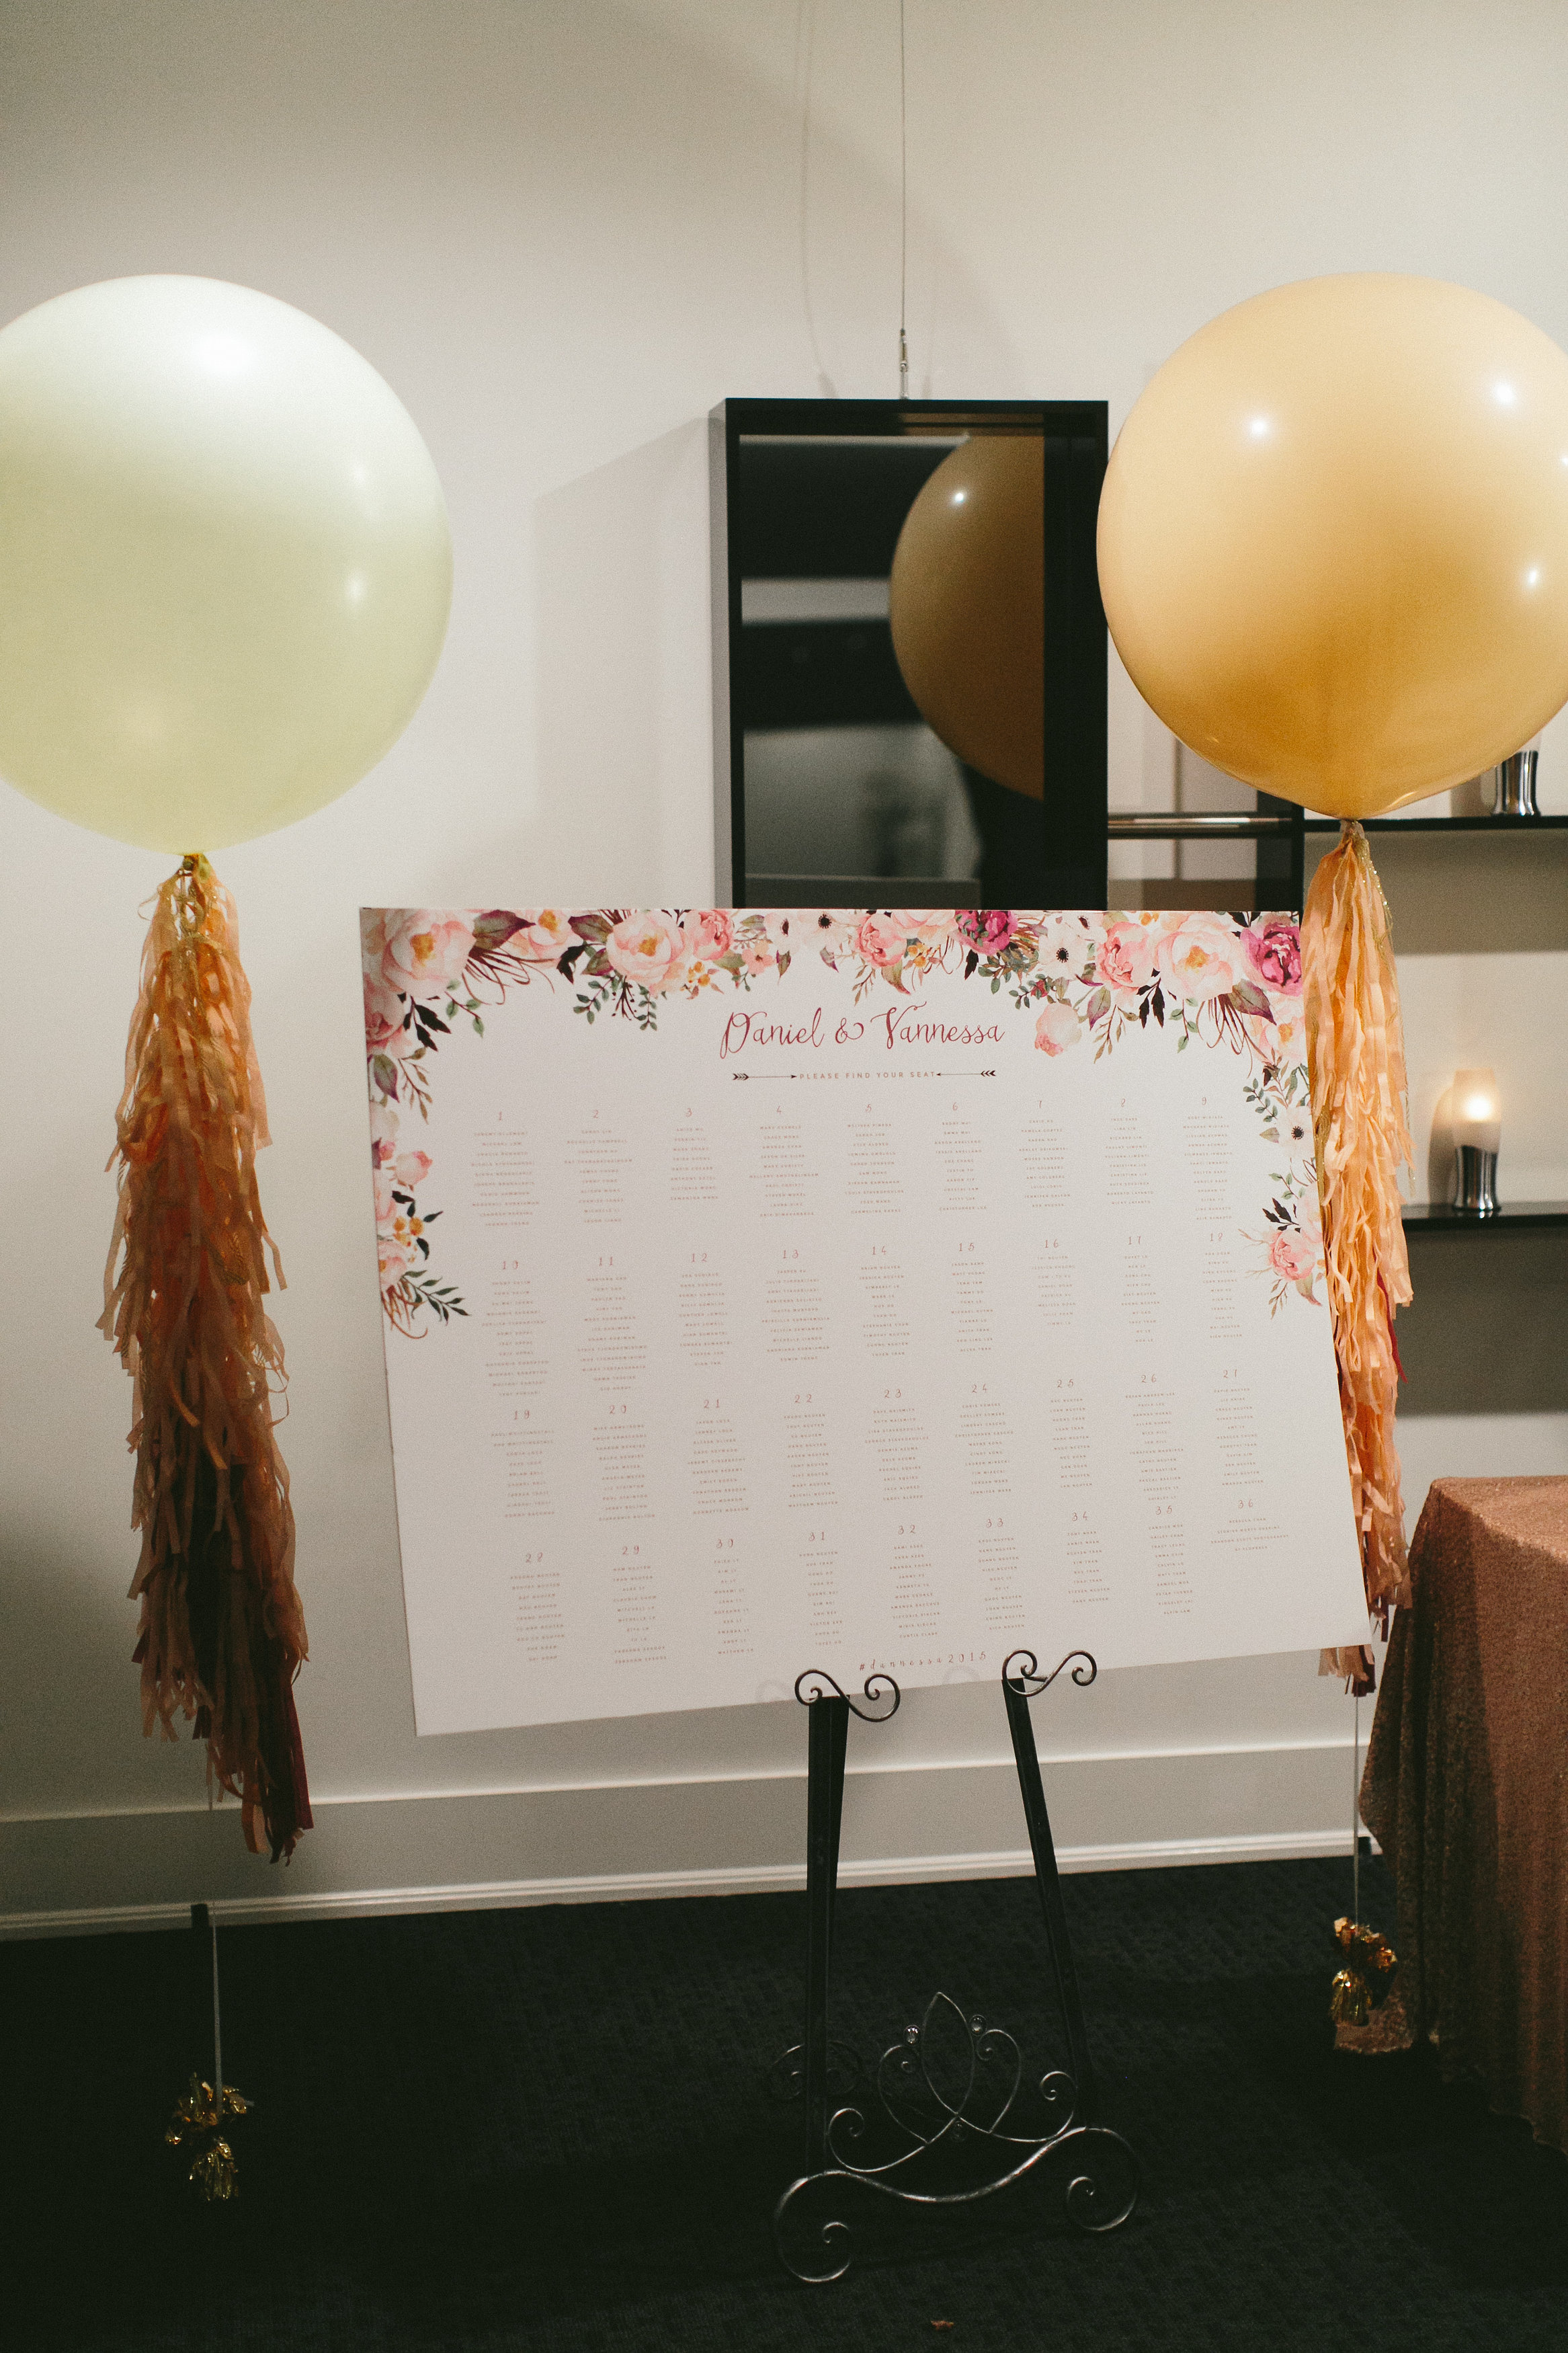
point(217, 2018)
point(903, 218)
point(1356, 1815)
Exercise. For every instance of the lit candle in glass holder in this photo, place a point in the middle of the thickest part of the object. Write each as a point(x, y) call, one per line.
point(1478, 1133)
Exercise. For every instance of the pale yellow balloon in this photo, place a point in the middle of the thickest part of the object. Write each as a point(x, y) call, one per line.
point(966, 604)
point(225, 567)
point(1333, 539)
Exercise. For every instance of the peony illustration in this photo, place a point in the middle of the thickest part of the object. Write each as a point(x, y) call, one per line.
point(1057, 1028)
point(1292, 1254)
point(707, 932)
point(1280, 1039)
point(1273, 946)
point(933, 930)
point(384, 1012)
point(1201, 959)
point(880, 939)
point(645, 949)
point(989, 929)
point(393, 1257)
point(545, 934)
point(1125, 963)
point(425, 951)
point(1292, 1248)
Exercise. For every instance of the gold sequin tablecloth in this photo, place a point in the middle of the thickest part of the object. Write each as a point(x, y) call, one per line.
point(1466, 1790)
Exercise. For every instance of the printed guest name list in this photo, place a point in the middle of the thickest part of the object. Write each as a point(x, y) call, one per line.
point(772, 1289)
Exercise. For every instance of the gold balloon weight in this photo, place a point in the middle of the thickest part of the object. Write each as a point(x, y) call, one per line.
point(197, 2124)
point(1367, 1959)
point(1367, 1964)
point(198, 2127)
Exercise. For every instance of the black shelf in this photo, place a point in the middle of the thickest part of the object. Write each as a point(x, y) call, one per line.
point(1520, 1217)
point(1444, 824)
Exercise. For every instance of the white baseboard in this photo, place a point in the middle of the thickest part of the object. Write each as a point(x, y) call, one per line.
point(80, 1874)
point(757, 1879)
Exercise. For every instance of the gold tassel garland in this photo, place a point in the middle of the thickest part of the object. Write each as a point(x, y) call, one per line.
point(221, 1634)
point(1356, 1055)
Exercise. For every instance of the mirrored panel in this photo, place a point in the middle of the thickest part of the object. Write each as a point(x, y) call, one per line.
point(833, 789)
point(1203, 838)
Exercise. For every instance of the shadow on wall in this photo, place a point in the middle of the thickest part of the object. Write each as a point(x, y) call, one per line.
point(795, 288)
point(1484, 1332)
point(623, 689)
point(72, 1689)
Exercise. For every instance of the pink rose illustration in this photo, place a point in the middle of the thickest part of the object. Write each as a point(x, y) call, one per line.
point(1273, 947)
point(412, 1169)
point(647, 949)
point(1292, 1253)
point(757, 953)
point(1125, 963)
point(1057, 1028)
point(386, 1207)
point(880, 939)
point(707, 932)
point(384, 1031)
point(425, 951)
point(989, 929)
point(1201, 959)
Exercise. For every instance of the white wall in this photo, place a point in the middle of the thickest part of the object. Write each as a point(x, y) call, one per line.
point(563, 232)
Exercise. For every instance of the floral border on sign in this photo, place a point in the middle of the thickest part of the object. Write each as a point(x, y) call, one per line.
point(1213, 979)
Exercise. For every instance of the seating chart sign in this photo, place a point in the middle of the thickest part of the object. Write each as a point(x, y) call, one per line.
point(771, 1289)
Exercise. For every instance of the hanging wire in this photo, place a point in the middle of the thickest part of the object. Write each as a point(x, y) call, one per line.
point(903, 214)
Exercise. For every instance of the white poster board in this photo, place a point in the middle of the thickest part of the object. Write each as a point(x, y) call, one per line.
point(775, 1290)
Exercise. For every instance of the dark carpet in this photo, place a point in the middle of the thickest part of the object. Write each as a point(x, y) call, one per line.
point(550, 2129)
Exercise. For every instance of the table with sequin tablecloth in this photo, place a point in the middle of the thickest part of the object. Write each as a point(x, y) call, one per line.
point(1466, 1790)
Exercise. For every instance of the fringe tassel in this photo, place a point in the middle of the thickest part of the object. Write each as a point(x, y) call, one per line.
point(222, 1633)
point(1356, 1055)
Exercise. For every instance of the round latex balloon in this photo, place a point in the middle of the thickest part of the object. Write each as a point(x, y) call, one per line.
point(1333, 539)
point(224, 561)
point(966, 601)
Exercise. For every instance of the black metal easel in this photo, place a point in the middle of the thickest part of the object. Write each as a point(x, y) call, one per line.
point(943, 2112)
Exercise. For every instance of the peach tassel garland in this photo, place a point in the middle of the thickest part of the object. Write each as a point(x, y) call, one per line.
point(221, 1634)
point(1355, 1052)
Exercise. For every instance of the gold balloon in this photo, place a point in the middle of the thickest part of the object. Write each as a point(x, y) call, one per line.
point(1334, 540)
point(966, 601)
